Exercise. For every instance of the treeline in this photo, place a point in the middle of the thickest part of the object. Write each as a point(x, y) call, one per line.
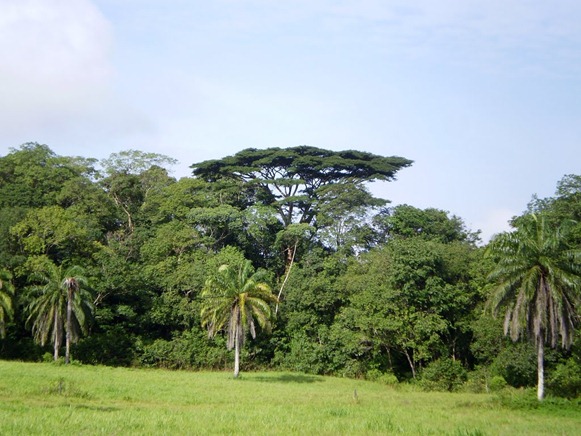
point(365, 290)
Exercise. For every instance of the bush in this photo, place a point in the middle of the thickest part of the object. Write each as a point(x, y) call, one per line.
point(172, 354)
point(187, 350)
point(385, 378)
point(565, 380)
point(517, 364)
point(112, 347)
point(443, 375)
point(301, 355)
point(482, 379)
point(497, 383)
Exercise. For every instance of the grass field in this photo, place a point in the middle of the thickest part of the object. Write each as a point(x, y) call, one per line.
point(48, 399)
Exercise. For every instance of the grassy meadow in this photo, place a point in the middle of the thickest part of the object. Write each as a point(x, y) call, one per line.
point(40, 398)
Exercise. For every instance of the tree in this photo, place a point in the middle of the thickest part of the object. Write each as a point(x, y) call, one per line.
point(33, 175)
point(63, 304)
point(406, 221)
point(566, 204)
point(6, 295)
point(235, 299)
point(289, 179)
point(132, 176)
point(135, 162)
point(538, 280)
point(61, 234)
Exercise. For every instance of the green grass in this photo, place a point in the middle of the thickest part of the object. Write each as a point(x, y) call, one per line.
point(50, 399)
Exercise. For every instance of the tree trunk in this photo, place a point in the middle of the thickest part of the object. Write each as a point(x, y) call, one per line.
point(411, 362)
point(237, 353)
point(68, 332)
point(540, 368)
point(287, 274)
point(56, 336)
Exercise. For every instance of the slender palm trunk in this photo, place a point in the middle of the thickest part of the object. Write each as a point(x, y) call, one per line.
point(540, 367)
point(237, 353)
point(56, 336)
point(68, 332)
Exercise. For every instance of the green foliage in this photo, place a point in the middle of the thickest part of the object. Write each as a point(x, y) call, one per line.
point(113, 346)
point(483, 380)
point(61, 305)
point(538, 277)
point(134, 162)
point(443, 375)
point(61, 234)
point(6, 298)
point(33, 175)
point(364, 291)
point(565, 379)
point(405, 221)
point(235, 299)
point(307, 184)
point(497, 383)
point(539, 281)
point(301, 355)
point(380, 377)
point(187, 350)
point(410, 300)
point(487, 340)
point(341, 216)
point(517, 365)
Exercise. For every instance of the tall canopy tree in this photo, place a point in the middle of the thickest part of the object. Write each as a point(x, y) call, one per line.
point(234, 300)
point(290, 178)
point(538, 278)
point(64, 305)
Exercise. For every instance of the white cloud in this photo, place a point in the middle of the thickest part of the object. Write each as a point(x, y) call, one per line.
point(55, 71)
point(52, 41)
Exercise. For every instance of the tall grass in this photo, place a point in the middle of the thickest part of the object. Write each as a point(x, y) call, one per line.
point(50, 399)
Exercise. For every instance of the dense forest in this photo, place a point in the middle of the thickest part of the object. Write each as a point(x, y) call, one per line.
point(113, 262)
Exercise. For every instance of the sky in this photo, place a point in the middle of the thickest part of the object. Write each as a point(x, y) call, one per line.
point(483, 95)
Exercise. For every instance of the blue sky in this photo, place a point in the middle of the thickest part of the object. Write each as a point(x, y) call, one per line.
point(484, 96)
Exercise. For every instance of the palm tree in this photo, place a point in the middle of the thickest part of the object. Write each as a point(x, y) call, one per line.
point(6, 295)
point(234, 300)
point(538, 280)
point(64, 304)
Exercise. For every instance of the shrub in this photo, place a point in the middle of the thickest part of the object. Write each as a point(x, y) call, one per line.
point(497, 383)
point(172, 354)
point(385, 378)
point(187, 350)
point(517, 364)
point(443, 375)
point(479, 380)
point(301, 355)
point(565, 380)
point(111, 347)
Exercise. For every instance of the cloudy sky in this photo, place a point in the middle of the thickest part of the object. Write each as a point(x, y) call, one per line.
point(484, 95)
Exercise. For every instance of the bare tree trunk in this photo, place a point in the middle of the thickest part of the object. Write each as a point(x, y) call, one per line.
point(411, 363)
point(56, 336)
point(68, 332)
point(540, 368)
point(237, 353)
point(288, 271)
